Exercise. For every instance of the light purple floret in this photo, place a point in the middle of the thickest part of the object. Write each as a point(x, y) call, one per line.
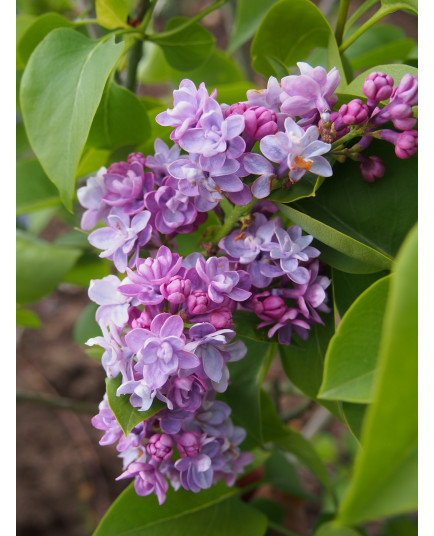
point(122, 236)
point(91, 197)
point(148, 479)
point(221, 281)
point(160, 350)
point(188, 107)
point(113, 305)
point(163, 157)
point(297, 151)
point(309, 94)
point(268, 98)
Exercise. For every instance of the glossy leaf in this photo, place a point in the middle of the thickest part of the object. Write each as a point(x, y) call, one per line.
point(401, 526)
point(249, 14)
point(396, 71)
point(304, 188)
point(64, 81)
point(385, 472)
point(352, 354)
point(354, 415)
point(34, 190)
point(337, 239)
point(247, 376)
point(41, 266)
point(340, 261)
point(127, 416)
point(291, 441)
point(213, 512)
point(92, 160)
point(394, 5)
point(281, 474)
point(308, 29)
point(347, 287)
point(112, 14)
point(88, 266)
point(187, 48)
point(347, 204)
point(121, 119)
point(27, 319)
point(380, 44)
point(303, 361)
point(34, 34)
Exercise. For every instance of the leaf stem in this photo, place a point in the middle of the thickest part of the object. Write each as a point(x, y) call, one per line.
point(281, 530)
point(362, 29)
point(192, 20)
point(144, 12)
point(342, 17)
point(359, 12)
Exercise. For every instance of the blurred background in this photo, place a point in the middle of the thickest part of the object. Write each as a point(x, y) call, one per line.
point(65, 480)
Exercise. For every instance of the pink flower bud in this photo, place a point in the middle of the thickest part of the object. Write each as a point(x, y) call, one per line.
point(160, 447)
point(371, 168)
point(188, 444)
point(221, 318)
point(270, 308)
point(354, 113)
point(137, 157)
point(176, 289)
point(138, 318)
point(406, 144)
point(378, 86)
point(198, 302)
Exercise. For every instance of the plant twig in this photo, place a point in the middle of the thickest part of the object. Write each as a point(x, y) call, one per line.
point(362, 29)
point(56, 402)
point(342, 17)
point(281, 530)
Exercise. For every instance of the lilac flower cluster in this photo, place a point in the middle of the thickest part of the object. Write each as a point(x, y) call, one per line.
point(287, 290)
point(167, 326)
point(167, 331)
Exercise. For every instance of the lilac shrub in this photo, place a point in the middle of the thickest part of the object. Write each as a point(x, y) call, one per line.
point(168, 330)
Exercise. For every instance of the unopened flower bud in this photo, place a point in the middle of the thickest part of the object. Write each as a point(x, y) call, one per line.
point(176, 289)
point(406, 144)
point(160, 447)
point(371, 168)
point(137, 157)
point(198, 302)
point(378, 87)
point(269, 307)
point(188, 444)
point(354, 113)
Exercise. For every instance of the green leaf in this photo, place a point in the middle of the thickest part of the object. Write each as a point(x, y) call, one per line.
point(112, 14)
point(303, 361)
point(22, 22)
point(91, 161)
point(184, 48)
point(247, 376)
point(157, 131)
point(395, 71)
point(395, 5)
point(337, 239)
point(347, 212)
point(34, 34)
point(86, 327)
point(308, 29)
point(41, 266)
point(382, 43)
point(402, 526)
point(282, 475)
point(340, 261)
point(348, 287)
point(60, 92)
point(27, 318)
point(354, 415)
point(127, 416)
point(291, 441)
point(305, 188)
point(249, 14)
point(34, 189)
point(89, 266)
point(352, 354)
point(385, 472)
point(121, 119)
point(330, 529)
point(213, 512)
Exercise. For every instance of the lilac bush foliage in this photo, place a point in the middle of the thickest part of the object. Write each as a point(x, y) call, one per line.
point(167, 326)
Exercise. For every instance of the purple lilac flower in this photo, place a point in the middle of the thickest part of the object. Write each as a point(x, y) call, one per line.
point(122, 236)
point(160, 350)
point(212, 137)
point(291, 248)
point(256, 164)
point(298, 151)
point(163, 157)
point(221, 281)
point(207, 185)
point(176, 290)
point(105, 420)
point(127, 189)
point(114, 306)
point(188, 107)
point(310, 92)
point(171, 210)
point(148, 479)
point(267, 98)
point(91, 197)
point(186, 392)
point(195, 467)
point(150, 274)
point(160, 447)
